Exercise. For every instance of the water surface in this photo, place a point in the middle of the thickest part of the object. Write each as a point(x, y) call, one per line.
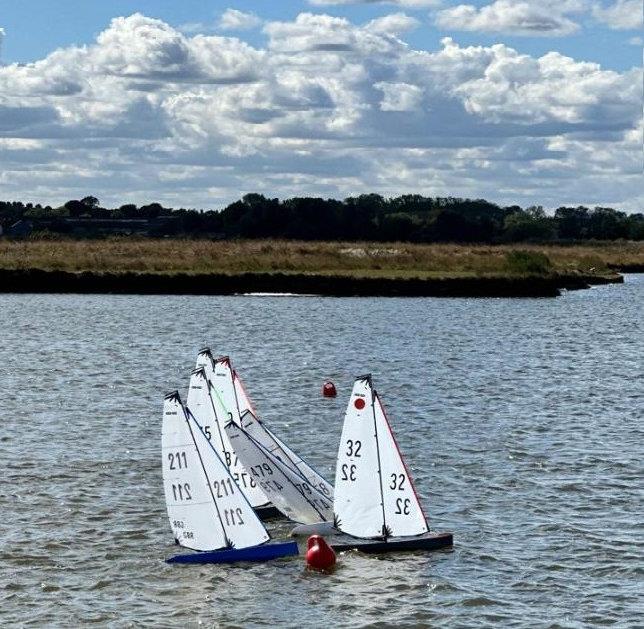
point(520, 421)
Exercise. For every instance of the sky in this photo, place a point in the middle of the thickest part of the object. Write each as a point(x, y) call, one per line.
point(194, 104)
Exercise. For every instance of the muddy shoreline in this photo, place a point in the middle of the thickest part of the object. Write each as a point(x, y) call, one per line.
point(39, 281)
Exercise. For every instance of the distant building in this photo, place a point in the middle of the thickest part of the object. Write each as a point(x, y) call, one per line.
point(81, 226)
point(21, 229)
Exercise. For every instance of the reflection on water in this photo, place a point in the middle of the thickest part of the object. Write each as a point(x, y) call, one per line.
point(520, 420)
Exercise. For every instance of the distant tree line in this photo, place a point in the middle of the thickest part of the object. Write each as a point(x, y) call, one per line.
point(411, 217)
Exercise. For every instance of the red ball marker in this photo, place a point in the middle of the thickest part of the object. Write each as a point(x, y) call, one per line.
point(319, 555)
point(328, 389)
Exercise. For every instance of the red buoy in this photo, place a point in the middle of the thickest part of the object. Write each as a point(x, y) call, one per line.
point(328, 389)
point(319, 555)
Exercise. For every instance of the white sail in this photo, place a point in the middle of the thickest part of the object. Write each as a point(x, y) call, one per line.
point(286, 488)
point(243, 399)
point(374, 495)
point(271, 442)
point(200, 405)
point(231, 401)
point(206, 412)
point(403, 514)
point(223, 388)
point(242, 526)
point(191, 509)
point(193, 479)
point(204, 359)
point(357, 505)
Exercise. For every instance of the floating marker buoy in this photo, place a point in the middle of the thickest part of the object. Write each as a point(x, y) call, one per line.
point(328, 389)
point(319, 555)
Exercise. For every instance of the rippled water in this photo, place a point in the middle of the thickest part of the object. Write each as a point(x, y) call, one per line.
point(520, 420)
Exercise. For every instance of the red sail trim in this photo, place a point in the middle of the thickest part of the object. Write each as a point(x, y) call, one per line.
point(243, 388)
point(393, 438)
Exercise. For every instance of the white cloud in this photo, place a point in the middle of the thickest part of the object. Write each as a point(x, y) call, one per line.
point(408, 4)
point(393, 24)
point(328, 108)
point(400, 96)
point(516, 17)
point(636, 41)
point(621, 14)
point(234, 20)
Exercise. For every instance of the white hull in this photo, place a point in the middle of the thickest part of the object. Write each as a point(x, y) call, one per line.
point(319, 528)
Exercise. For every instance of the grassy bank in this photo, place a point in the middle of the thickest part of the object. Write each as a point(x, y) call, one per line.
point(370, 260)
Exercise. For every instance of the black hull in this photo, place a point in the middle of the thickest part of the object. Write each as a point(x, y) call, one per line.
point(269, 512)
point(432, 541)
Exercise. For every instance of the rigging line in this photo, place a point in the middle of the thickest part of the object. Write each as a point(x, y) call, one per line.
point(214, 410)
point(234, 375)
point(286, 449)
point(382, 494)
point(230, 419)
point(203, 467)
point(230, 415)
point(288, 480)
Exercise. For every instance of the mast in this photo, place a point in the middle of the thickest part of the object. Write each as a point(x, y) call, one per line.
point(375, 428)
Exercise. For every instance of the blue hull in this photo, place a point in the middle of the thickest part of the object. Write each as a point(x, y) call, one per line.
point(231, 555)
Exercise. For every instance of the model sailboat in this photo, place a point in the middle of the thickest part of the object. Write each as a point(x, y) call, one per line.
point(375, 500)
point(206, 509)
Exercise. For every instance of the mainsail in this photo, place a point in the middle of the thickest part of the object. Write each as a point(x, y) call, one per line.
point(271, 442)
point(205, 508)
point(374, 494)
point(204, 410)
point(288, 490)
